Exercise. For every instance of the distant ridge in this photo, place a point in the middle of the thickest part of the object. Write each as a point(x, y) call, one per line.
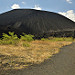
point(36, 22)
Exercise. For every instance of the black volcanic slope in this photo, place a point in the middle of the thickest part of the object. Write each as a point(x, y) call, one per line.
point(39, 23)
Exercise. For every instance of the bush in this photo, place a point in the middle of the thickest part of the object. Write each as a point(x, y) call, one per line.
point(58, 39)
point(26, 37)
point(9, 39)
point(11, 36)
point(43, 39)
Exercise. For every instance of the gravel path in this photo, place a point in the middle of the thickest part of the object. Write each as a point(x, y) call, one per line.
point(62, 63)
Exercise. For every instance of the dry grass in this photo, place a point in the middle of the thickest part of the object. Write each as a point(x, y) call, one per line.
point(18, 57)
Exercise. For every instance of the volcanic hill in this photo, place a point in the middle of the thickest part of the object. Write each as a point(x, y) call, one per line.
point(36, 22)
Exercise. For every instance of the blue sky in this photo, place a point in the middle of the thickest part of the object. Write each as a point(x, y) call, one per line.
point(64, 7)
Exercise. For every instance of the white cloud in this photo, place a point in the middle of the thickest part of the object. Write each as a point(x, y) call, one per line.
point(15, 6)
point(37, 7)
point(69, 14)
point(69, 1)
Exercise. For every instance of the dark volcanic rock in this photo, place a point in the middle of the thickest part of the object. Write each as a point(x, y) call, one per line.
point(39, 23)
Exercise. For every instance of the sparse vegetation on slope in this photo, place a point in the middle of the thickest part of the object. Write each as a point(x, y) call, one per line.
point(27, 52)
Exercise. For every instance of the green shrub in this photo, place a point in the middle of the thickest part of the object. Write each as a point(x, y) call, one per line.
point(58, 39)
point(26, 37)
point(11, 36)
point(43, 39)
point(9, 39)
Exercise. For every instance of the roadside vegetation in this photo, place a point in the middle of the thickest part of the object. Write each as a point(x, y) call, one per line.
point(18, 53)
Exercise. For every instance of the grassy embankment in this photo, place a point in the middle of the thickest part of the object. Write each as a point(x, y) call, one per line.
point(18, 53)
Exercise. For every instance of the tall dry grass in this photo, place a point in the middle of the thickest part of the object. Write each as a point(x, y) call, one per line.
point(18, 57)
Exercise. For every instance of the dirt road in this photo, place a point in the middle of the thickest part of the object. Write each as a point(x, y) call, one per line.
point(62, 63)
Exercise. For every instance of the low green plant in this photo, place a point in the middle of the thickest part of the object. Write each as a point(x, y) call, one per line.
point(26, 44)
point(61, 39)
point(43, 39)
point(57, 39)
point(26, 37)
point(69, 39)
point(5, 42)
point(10, 38)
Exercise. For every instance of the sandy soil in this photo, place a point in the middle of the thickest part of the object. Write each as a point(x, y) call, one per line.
point(62, 63)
